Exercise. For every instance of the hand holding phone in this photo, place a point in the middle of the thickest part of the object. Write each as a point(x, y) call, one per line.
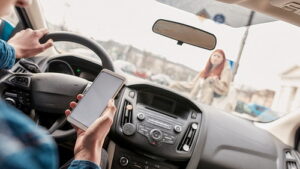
point(90, 141)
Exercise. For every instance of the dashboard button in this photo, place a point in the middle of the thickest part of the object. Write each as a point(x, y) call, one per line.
point(194, 115)
point(141, 116)
point(186, 148)
point(177, 128)
point(194, 126)
point(131, 94)
point(143, 130)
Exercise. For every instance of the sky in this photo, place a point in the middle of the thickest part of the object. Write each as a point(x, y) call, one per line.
point(271, 48)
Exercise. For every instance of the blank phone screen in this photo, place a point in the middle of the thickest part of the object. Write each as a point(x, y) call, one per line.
point(96, 99)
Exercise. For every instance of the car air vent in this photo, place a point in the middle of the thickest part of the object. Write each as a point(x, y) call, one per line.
point(19, 70)
point(292, 159)
point(291, 165)
point(188, 138)
point(126, 116)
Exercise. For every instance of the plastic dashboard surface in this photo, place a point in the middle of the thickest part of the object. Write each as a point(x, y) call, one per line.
point(230, 142)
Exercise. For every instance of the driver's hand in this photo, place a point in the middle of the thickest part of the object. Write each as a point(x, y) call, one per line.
point(89, 143)
point(26, 43)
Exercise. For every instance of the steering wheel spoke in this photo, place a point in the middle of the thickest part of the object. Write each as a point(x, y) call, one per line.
point(17, 91)
point(57, 124)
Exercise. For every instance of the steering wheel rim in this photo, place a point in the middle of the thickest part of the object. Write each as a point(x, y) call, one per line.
point(61, 36)
point(92, 45)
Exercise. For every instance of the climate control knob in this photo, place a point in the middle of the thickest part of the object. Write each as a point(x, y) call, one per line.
point(156, 134)
point(129, 129)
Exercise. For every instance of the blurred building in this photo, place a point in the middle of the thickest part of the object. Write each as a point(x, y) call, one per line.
point(287, 99)
point(259, 97)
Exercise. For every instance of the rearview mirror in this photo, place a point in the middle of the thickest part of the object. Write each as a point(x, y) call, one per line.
point(185, 34)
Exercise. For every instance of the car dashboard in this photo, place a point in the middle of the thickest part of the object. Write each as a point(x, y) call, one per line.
point(157, 128)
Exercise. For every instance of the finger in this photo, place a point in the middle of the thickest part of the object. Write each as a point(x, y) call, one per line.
point(68, 112)
point(47, 45)
point(111, 103)
point(73, 104)
point(110, 109)
point(43, 47)
point(100, 128)
point(79, 97)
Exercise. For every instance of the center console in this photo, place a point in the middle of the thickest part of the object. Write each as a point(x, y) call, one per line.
point(124, 159)
point(156, 123)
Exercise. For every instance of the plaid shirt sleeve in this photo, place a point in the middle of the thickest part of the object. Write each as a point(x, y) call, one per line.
point(22, 144)
point(82, 164)
point(7, 55)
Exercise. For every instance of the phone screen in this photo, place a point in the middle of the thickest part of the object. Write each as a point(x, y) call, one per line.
point(91, 106)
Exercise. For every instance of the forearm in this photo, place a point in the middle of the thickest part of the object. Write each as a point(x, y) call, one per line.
point(92, 155)
point(7, 55)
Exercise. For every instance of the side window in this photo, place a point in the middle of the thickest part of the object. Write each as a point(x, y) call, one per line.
point(7, 25)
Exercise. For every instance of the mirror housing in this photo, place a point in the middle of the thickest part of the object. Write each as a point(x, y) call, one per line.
point(185, 34)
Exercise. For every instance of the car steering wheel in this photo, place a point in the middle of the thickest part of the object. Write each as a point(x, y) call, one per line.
point(52, 92)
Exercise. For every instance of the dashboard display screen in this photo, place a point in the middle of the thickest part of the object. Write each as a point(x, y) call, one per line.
point(163, 104)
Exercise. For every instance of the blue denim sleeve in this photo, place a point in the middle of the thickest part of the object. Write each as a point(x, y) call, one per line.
point(7, 55)
point(82, 164)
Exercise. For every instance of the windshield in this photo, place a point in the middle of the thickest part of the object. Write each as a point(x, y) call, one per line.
point(254, 74)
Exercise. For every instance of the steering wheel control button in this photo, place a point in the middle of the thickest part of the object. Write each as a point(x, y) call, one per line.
point(186, 148)
point(10, 101)
point(194, 126)
point(124, 161)
point(141, 116)
point(129, 129)
point(156, 134)
point(131, 94)
point(177, 128)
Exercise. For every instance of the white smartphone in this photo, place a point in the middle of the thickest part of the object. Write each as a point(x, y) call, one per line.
point(106, 86)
